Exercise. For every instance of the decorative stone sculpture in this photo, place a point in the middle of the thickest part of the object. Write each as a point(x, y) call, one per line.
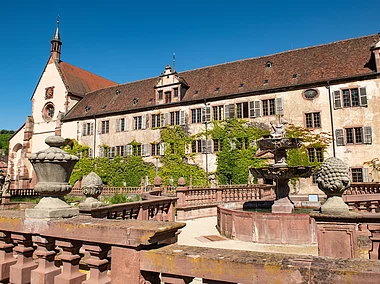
point(333, 179)
point(92, 187)
point(53, 167)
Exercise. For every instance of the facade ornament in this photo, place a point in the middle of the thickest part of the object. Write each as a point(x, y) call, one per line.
point(92, 187)
point(333, 179)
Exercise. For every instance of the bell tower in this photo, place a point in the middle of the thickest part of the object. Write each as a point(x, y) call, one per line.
point(56, 44)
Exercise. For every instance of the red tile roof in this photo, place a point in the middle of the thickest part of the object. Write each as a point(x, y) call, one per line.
point(79, 81)
point(342, 59)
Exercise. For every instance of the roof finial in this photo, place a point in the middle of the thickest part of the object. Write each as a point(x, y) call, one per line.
point(56, 36)
point(58, 18)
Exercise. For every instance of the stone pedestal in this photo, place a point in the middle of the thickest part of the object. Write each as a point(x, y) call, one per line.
point(51, 207)
point(334, 205)
point(283, 205)
point(6, 198)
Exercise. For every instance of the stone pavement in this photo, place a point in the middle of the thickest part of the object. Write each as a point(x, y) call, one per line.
point(202, 232)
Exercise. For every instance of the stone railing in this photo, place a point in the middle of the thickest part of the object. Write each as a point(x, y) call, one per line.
point(363, 197)
point(107, 191)
point(195, 202)
point(156, 208)
point(22, 192)
point(134, 251)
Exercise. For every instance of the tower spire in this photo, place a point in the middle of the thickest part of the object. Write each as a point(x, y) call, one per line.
point(56, 43)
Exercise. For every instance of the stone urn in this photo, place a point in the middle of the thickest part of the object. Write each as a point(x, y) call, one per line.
point(333, 179)
point(53, 168)
point(92, 187)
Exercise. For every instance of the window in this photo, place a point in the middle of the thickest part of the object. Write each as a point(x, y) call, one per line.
point(121, 125)
point(315, 155)
point(268, 107)
point(168, 97)
point(353, 135)
point(350, 98)
point(175, 92)
point(155, 149)
point(196, 146)
point(156, 120)
point(242, 110)
point(88, 129)
point(48, 112)
point(229, 111)
point(137, 122)
point(218, 145)
point(105, 126)
point(217, 112)
point(196, 115)
point(359, 175)
point(175, 118)
point(160, 95)
point(313, 120)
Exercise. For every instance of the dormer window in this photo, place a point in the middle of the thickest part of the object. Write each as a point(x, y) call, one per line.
point(168, 97)
point(175, 92)
point(269, 64)
point(160, 95)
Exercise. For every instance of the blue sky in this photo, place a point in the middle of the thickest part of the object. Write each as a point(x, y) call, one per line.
point(131, 40)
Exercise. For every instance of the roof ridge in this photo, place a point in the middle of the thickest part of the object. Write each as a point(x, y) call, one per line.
point(282, 52)
point(240, 60)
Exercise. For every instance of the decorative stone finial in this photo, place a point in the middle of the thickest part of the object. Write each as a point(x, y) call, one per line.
point(53, 168)
point(333, 179)
point(92, 186)
point(181, 181)
point(157, 181)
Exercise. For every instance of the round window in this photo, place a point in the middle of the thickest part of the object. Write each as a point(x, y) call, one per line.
point(310, 94)
point(48, 112)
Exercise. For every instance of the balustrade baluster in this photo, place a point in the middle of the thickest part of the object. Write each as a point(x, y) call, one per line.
point(46, 270)
point(6, 256)
point(374, 206)
point(70, 259)
point(20, 272)
point(98, 264)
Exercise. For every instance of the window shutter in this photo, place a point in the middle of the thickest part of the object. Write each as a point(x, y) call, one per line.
point(128, 149)
point(84, 129)
point(146, 121)
point(126, 128)
point(233, 144)
point(101, 152)
point(232, 110)
point(92, 128)
point(279, 108)
point(226, 112)
point(204, 146)
point(162, 149)
point(182, 117)
point(187, 149)
point(365, 174)
point(363, 97)
point(117, 125)
point(367, 134)
point(166, 119)
point(145, 150)
point(209, 146)
point(337, 100)
point(252, 109)
point(143, 122)
point(257, 109)
point(339, 137)
point(206, 114)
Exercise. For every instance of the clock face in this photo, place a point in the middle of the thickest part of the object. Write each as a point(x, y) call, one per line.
point(310, 94)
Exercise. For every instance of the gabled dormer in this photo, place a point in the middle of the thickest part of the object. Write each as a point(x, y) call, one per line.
point(170, 87)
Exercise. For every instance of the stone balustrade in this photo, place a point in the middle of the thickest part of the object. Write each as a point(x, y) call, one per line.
point(195, 202)
point(363, 197)
point(52, 251)
point(156, 208)
point(108, 191)
point(100, 251)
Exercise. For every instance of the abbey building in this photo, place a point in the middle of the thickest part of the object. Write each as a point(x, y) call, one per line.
point(332, 88)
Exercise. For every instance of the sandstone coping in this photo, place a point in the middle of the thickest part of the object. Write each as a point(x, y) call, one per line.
point(347, 217)
point(129, 233)
point(255, 267)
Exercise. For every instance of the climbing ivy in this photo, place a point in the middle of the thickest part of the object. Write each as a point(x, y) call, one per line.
point(175, 161)
point(115, 172)
point(237, 138)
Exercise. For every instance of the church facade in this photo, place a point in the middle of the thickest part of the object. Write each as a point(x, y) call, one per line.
point(332, 88)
